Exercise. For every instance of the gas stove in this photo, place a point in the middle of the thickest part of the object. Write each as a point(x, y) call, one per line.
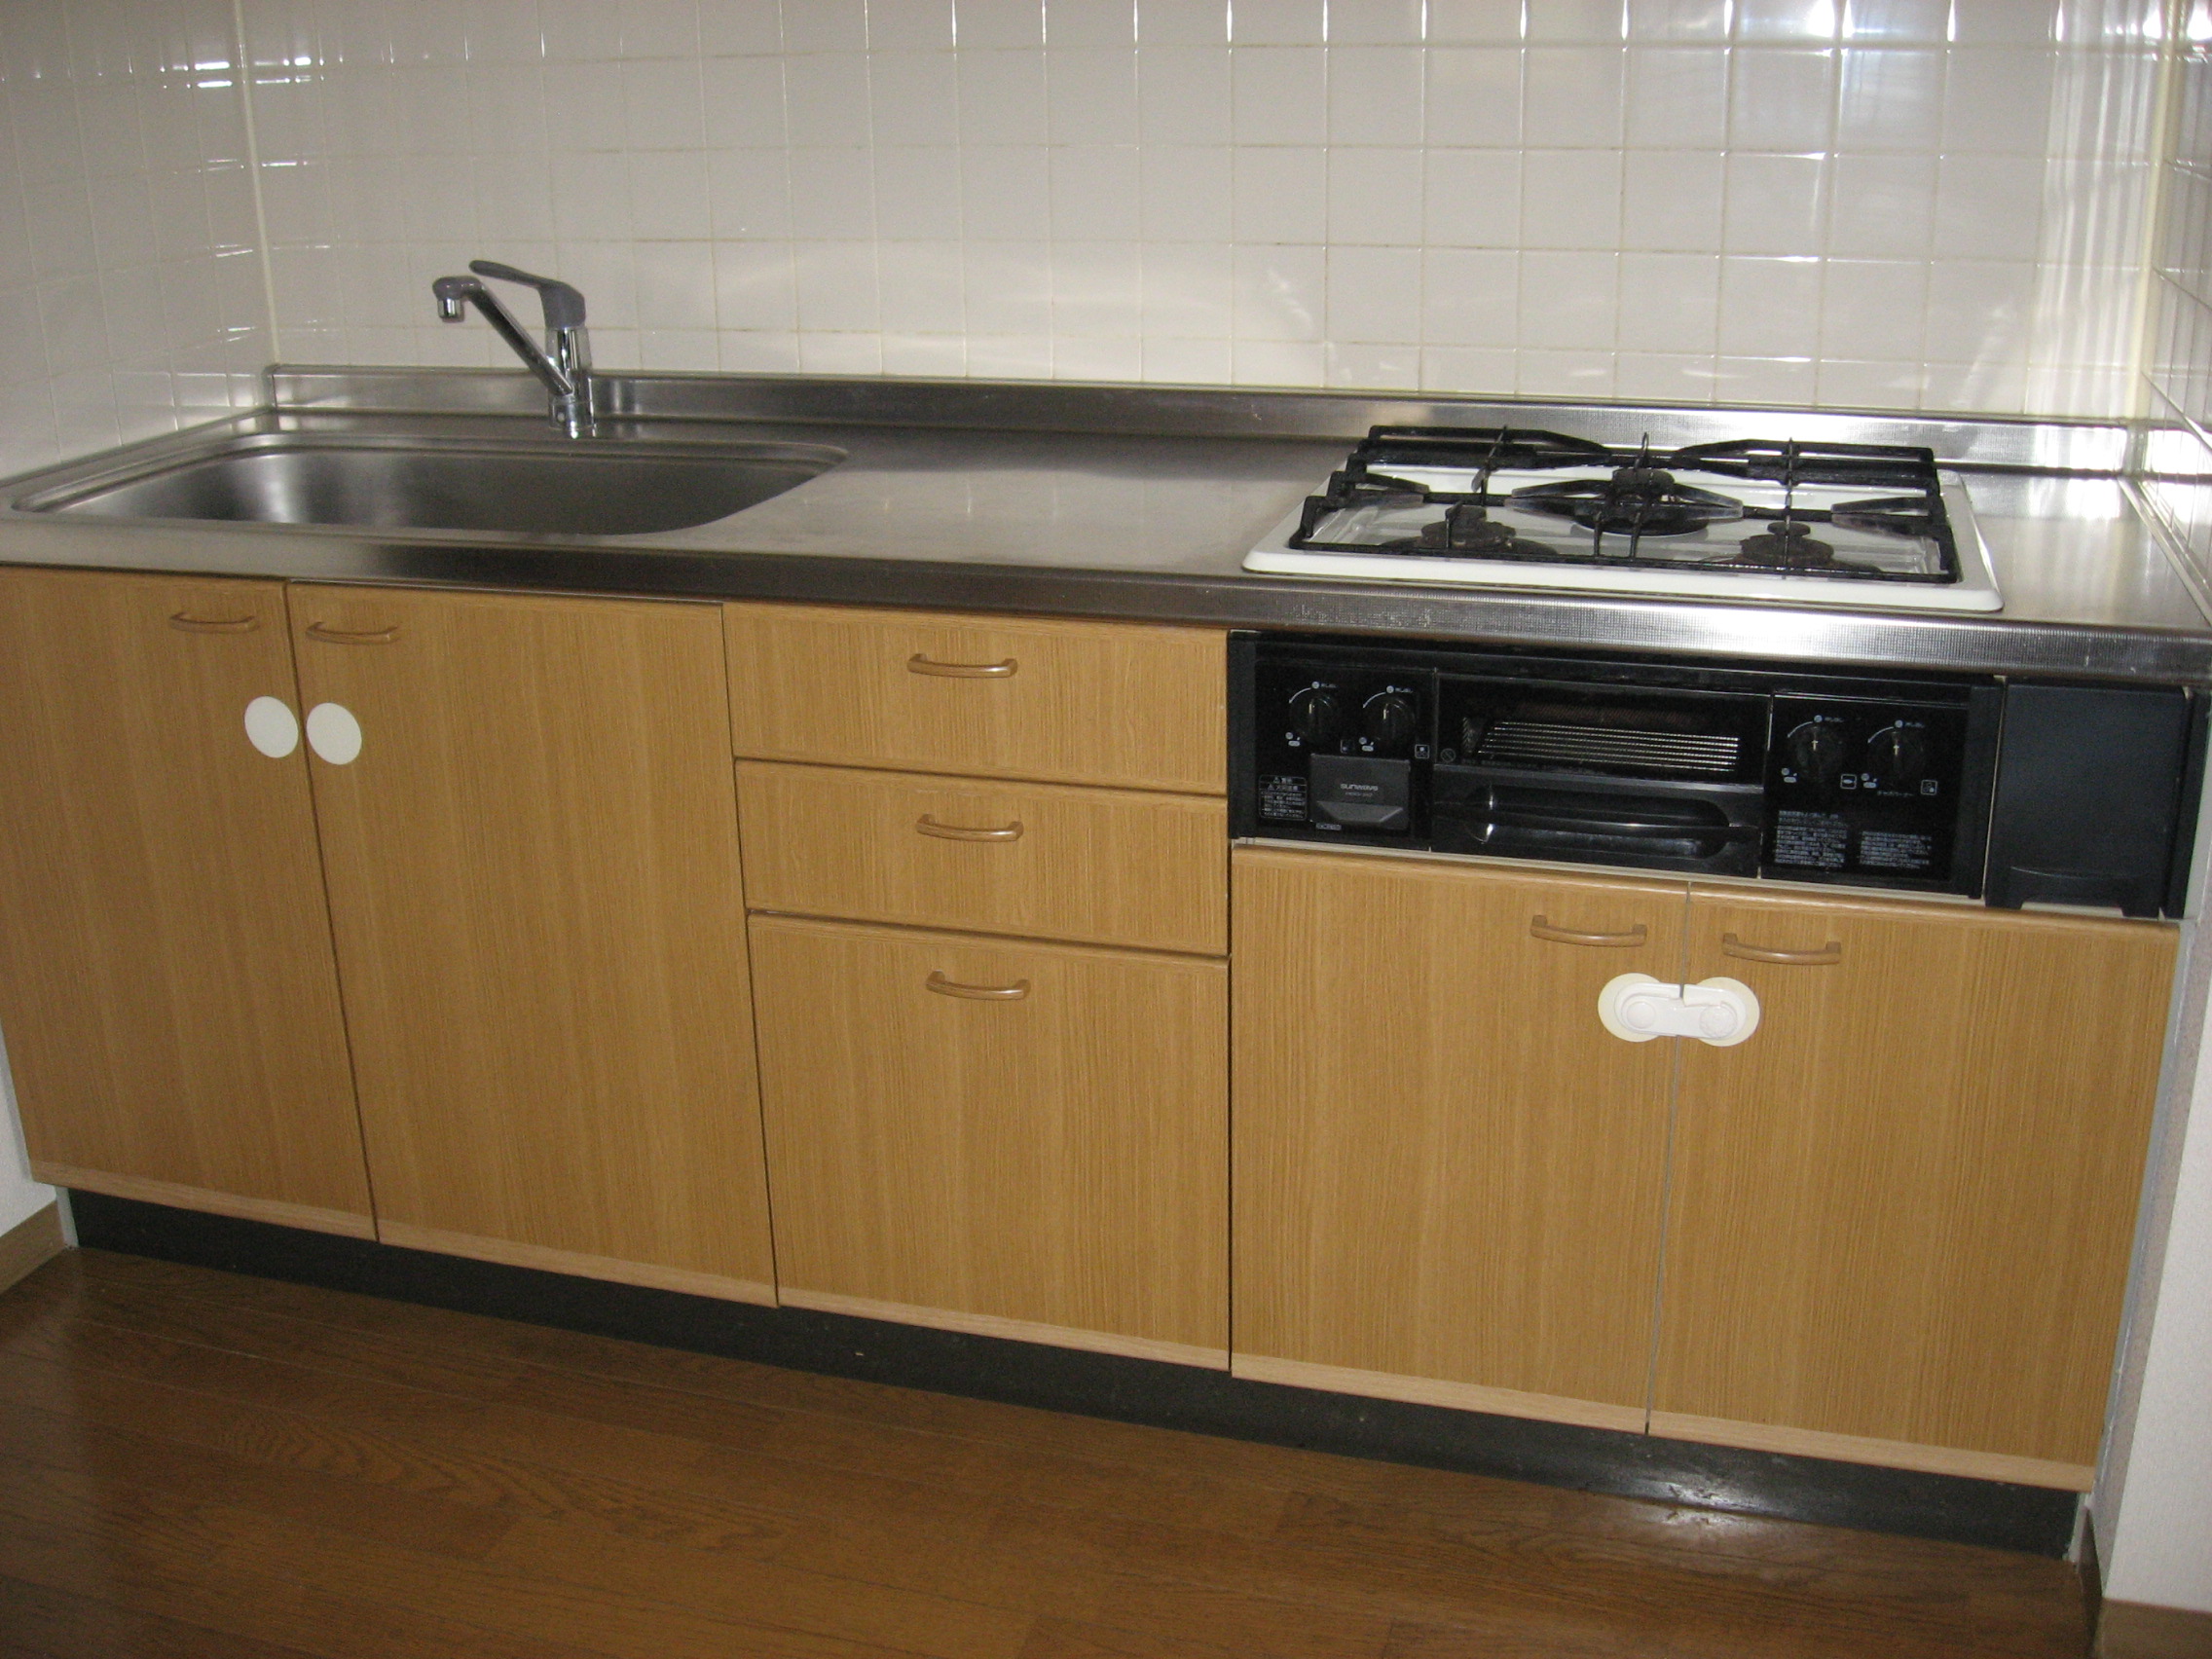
point(1871, 526)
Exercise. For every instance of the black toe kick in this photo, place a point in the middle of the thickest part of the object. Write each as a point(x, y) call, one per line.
point(1953, 1508)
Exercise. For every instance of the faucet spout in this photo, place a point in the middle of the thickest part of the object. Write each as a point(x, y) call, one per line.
point(562, 366)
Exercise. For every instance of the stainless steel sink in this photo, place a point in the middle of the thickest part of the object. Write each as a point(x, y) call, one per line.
point(578, 487)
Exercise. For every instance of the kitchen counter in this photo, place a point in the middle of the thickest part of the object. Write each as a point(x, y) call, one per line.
point(1140, 503)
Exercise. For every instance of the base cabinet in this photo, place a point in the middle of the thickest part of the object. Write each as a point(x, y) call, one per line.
point(1446, 1188)
point(998, 1135)
point(167, 982)
point(994, 1027)
point(532, 864)
point(1892, 1226)
point(1903, 1210)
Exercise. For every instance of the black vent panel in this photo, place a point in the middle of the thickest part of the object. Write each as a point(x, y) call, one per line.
point(1558, 743)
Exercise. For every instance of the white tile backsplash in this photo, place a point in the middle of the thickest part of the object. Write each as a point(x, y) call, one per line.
point(1859, 203)
point(131, 296)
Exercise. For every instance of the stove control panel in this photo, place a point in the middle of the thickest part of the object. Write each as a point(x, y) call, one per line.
point(1337, 747)
point(1865, 787)
point(1824, 775)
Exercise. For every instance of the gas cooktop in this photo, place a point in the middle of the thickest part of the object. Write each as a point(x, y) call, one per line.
point(1872, 526)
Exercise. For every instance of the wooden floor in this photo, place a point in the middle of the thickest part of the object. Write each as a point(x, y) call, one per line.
point(193, 1463)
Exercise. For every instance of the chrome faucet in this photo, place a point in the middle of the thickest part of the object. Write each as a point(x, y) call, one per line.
point(564, 365)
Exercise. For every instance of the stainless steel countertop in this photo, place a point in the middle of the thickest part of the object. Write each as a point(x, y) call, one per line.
point(1141, 503)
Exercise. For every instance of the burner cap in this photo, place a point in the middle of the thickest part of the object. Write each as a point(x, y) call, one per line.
point(1790, 545)
point(1641, 484)
point(1463, 528)
point(1635, 502)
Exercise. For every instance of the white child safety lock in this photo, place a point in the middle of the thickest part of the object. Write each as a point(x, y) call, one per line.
point(1636, 1007)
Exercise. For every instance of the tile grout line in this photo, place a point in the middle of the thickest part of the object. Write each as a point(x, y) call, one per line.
point(253, 173)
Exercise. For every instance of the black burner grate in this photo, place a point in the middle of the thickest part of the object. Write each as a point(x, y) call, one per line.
point(1642, 496)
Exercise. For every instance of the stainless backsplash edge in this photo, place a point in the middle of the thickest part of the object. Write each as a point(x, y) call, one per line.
point(2102, 448)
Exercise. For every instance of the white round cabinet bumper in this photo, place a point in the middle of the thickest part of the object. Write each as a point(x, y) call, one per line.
point(1636, 1007)
point(271, 727)
point(332, 733)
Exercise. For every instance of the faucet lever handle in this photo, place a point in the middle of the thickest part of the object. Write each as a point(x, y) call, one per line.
point(564, 303)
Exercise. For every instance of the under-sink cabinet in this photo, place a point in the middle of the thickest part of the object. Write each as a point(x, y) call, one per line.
point(168, 986)
point(1891, 1225)
point(987, 860)
point(532, 868)
point(509, 840)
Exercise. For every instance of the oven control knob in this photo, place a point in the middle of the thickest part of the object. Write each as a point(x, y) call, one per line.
point(1316, 718)
point(1898, 756)
point(1387, 719)
point(1816, 754)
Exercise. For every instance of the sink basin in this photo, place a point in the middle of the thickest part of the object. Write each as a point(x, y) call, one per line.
point(583, 487)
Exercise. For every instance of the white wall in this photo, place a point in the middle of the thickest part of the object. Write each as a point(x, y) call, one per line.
point(2157, 1545)
point(130, 290)
point(1900, 204)
point(20, 1195)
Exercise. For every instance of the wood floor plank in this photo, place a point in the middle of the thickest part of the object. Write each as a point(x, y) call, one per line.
point(1066, 1638)
point(635, 1621)
point(476, 1424)
point(50, 1441)
point(175, 1442)
point(766, 1571)
point(110, 1562)
point(2032, 1610)
point(287, 1440)
point(40, 1622)
point(668, 1399)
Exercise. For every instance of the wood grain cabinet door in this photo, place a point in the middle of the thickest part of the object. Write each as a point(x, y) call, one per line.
point(533, 880)
point(1020, 1139)
point(1901, 1211)
point(167, 984)
point(1448, 1175)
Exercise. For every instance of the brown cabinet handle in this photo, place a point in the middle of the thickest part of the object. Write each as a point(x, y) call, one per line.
point(928, 826)
point(330, 636)
point(191, 624)
point(1826, 956)
point(1540, 927)
point(920, 664)
point(944, 987)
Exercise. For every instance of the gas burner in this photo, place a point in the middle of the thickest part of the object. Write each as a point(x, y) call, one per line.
point(1470, 530)
point(1635, 502)
point(1790, 545)
point(1759, 518)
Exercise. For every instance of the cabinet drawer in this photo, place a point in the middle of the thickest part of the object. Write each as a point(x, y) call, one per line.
point(1096, 865)
point(1071, 702)
point(965, 1131)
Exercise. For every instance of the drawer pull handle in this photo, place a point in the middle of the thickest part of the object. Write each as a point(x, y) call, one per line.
point(188, 623)
point(944, 987)
point(928, 826)
point(1826, 956)
point(330, 636)
point(920, 664)
point(1540, 927)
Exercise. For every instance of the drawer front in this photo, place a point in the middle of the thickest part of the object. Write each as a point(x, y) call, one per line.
point(1110, 703)
point(1096, 865)
point(1018, 1131)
